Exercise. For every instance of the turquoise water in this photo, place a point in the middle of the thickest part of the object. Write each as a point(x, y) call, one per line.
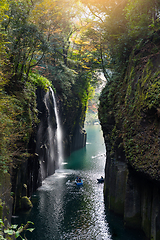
point(65, 211)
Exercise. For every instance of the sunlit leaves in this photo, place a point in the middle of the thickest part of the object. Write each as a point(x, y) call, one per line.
point(3, 9)
point(47, 15)
point(52, 17)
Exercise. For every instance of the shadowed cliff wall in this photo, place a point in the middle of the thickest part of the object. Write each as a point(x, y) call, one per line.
point(28, 174)
point(134, 197)
point(129, 116)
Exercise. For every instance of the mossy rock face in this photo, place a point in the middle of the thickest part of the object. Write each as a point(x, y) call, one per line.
point(129, 111)
point(26, 204)
point(1, 209)
point(5, 197)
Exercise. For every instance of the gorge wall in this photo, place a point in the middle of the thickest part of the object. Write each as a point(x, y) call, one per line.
point(133, 196)
point(43, 146)
point(130, 120)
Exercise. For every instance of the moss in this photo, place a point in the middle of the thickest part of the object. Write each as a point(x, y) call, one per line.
point(1, 209)
point(129, 111)
point(26, 204)
point(40, 81)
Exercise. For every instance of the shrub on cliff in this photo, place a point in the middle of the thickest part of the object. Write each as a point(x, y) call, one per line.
point(129, 109)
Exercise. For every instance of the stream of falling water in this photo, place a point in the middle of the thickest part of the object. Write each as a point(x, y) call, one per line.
point(59, 130)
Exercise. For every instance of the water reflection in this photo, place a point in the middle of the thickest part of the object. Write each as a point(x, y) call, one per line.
point(65, 211)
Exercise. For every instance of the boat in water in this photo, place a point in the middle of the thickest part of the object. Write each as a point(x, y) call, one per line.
point(100, 180)
point(79, 182)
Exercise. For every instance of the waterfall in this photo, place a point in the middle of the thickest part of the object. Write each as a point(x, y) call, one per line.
point(49, 135)
point(59, 130)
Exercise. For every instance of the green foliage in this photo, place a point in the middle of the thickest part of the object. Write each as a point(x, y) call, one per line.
point(25, 44)
point(142, 17)
point(28, 41)
point(3, 9)
point(9, 232)
point(129, 109)
point(152, 95)
point(39, 81)
point(18, 115)
point(129, 104)
point(119, 26)
point(26, 203)
point(61, 76)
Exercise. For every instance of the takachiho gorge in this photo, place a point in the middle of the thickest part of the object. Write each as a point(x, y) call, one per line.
point(63, 210)
point(80, 119)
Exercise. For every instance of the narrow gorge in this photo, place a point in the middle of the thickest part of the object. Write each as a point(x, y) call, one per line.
point(54, 55)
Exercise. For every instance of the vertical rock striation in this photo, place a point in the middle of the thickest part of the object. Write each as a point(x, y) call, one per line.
point(134, 197)
point(129, 116)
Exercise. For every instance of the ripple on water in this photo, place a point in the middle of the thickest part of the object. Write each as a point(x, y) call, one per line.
point(64, 211)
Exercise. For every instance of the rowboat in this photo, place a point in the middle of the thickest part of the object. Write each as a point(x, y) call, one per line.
point(79, 183)
point(100, 180)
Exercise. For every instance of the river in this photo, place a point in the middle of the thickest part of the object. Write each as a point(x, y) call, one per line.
point(65, 211)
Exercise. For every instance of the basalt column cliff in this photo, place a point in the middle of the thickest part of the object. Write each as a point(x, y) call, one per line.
point(129, 113)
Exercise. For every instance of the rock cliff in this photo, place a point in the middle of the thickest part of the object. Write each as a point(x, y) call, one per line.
point(129, 115)
point(27, 176)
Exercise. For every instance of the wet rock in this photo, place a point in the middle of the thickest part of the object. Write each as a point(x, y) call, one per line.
point(26, 203)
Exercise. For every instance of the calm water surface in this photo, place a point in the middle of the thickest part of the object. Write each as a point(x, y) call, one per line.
point(65, 211)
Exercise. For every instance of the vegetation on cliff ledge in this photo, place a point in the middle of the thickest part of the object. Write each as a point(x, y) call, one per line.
point(129, 108)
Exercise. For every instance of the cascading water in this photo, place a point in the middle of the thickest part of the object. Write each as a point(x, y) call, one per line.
point(49, 135)
point(59, 131)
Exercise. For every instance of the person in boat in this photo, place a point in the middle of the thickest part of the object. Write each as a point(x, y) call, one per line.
point(78, 179)
point(101, 177)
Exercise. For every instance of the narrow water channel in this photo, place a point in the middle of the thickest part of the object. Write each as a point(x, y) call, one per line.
point(65, 211)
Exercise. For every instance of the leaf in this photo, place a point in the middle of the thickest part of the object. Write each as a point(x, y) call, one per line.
point(17, 234)
point(14, 226)
point(9, 231)
point(30, 229)
point(1, 222)
point(30, 222)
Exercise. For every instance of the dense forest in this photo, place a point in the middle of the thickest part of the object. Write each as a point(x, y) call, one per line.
point(67, 45)
point(40, 46)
